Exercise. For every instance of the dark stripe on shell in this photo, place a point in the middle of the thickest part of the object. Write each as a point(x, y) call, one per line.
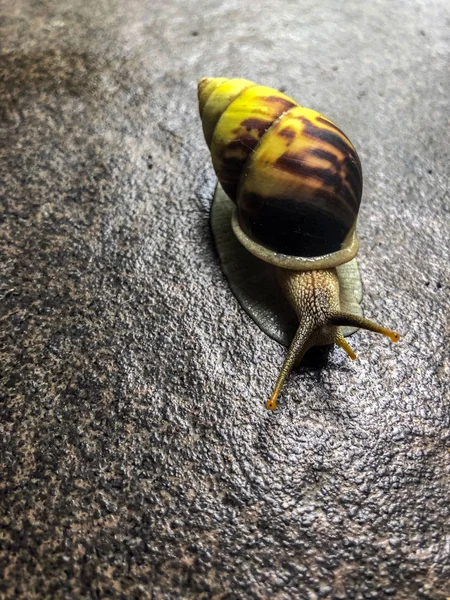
point(234, 157)
point(353, 176)
point(235, 154)
point(348, 210)
point(332, 125)
point(324, 135)
point(258, 124)
point(244, 142)
point(326, 177)
point(287, 133)
point(296, 165)
point(282, 102)
point(294, 226)
point(348, 169)
point(353, 163)
point(326, 155)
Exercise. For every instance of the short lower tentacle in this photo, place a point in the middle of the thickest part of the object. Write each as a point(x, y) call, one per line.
point(342, 342)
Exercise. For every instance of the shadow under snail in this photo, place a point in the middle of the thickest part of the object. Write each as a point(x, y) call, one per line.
point(284, 216)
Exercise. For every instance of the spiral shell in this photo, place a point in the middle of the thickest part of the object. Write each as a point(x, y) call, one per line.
point(294, 175)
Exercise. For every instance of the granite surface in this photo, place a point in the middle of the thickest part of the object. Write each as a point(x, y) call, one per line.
point(137, 457)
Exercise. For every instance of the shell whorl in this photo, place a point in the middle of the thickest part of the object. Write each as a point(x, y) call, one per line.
point(294, 175)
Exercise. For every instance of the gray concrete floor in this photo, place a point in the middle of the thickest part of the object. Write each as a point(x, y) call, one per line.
point(138, 458)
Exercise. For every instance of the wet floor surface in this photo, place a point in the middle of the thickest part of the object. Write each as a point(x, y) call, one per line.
point(138, 458)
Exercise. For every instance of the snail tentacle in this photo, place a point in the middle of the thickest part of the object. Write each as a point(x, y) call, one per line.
point(342, 342)
point(344, 319)
point(297, 349)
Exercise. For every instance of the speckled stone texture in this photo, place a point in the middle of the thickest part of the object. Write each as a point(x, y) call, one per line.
point(138, 460)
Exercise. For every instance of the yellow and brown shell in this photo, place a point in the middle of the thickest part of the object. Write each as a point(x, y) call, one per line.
point(295, 176)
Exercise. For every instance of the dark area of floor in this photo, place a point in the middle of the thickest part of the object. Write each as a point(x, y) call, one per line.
point(138, 459)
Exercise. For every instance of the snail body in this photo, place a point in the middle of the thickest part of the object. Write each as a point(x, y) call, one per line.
point(284, 216)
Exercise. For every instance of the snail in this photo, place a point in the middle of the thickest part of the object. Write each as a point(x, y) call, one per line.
point(284, 216)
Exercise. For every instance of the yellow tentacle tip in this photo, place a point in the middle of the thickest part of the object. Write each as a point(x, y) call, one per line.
point(271, 404)
point(342, 342)
point(392, 335)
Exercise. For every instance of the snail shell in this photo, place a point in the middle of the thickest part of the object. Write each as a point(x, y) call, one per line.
point(295, 176)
